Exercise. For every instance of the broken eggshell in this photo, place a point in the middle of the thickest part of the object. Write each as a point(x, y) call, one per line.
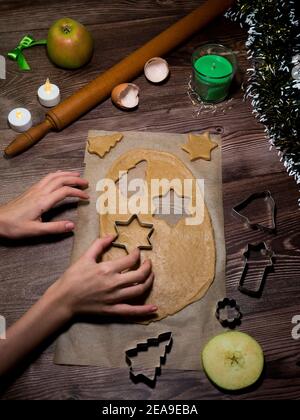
point(126, 96)
point(156, 70)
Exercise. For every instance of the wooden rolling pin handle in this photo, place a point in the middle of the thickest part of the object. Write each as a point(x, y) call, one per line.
point(25, 140)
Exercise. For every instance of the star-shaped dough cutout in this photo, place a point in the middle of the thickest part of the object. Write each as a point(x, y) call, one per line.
point(133, 234)
point(100, 145)
point(199, 146)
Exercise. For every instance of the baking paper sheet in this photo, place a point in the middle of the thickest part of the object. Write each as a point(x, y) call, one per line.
point(104, 342)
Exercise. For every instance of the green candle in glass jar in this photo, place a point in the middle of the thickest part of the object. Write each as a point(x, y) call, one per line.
point(213, 75)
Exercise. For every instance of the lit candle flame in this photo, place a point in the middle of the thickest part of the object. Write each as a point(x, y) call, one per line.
point(47, 86)
point(19, 115)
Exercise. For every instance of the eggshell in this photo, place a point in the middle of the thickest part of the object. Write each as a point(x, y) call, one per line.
point(156, 70)
point(126, 95)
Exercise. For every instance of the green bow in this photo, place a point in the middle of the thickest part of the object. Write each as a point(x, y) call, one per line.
point(17, 53)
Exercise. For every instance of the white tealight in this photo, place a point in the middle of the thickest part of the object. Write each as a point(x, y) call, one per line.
point(20, 119)
point(49, 94)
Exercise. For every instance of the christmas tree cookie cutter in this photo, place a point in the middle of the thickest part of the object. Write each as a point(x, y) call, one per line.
point(149, 377)
point(228, 313)
point(149, 226)
point(267, 196)
point(265, 251)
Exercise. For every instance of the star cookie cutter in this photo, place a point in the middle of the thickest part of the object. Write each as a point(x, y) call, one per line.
point(263, 249)
point(149, 378)
point(142, 224)
point(267, 196)
point(228, 313)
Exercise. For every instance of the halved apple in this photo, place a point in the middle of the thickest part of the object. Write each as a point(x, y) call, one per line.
point(233, 360)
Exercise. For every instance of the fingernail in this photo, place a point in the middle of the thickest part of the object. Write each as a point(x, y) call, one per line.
point(70, 226)
point(109, 235)
point(154, 308)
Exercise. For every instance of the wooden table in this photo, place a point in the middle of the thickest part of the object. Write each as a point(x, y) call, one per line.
point(29, 267)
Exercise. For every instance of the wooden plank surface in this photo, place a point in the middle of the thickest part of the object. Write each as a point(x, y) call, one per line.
point(29, 267)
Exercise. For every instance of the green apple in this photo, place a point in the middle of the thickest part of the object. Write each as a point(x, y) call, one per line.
point(69, 44)
point(233, 360)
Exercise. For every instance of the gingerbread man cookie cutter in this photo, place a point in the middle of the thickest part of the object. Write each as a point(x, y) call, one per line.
point(264, 250)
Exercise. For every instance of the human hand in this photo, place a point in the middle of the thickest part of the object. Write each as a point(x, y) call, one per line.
point(22, 217)
point(88, 287)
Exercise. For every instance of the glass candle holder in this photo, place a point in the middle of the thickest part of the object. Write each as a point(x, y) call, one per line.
point(214, 67)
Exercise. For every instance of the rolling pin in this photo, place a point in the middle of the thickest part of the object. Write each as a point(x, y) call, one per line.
point(126, 70)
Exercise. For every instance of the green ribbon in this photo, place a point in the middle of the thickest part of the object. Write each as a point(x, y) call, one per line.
point(17, 53)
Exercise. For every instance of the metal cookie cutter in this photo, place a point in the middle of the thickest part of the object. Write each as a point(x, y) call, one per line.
point(149, 377)
point(267, 196)
point(144, 225)
point(265, 251)
point(228, 313)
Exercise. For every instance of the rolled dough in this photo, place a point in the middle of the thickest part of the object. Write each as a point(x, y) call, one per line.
point(183, 256)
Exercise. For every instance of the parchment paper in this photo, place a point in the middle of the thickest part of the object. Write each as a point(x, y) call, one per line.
point(103, 343)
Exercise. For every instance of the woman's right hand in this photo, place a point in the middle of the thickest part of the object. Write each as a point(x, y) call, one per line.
point(88, 287)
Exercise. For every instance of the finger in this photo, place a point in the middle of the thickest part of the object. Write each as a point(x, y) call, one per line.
point(51, 228)
point(132, 310)
point(136, 276)
point(132, 292)
point(64, 192)
point(99, 246)
point(54, 175)
point(62, 181)
point(127, 262)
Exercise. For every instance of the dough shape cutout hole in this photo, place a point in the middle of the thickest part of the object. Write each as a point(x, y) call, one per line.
point(137, 173)
point(171, 207)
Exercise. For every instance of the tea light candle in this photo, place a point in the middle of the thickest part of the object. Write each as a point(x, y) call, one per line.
point(20, 119)
point(49, 94)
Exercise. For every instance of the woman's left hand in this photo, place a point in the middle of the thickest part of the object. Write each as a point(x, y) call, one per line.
point(22, 217)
